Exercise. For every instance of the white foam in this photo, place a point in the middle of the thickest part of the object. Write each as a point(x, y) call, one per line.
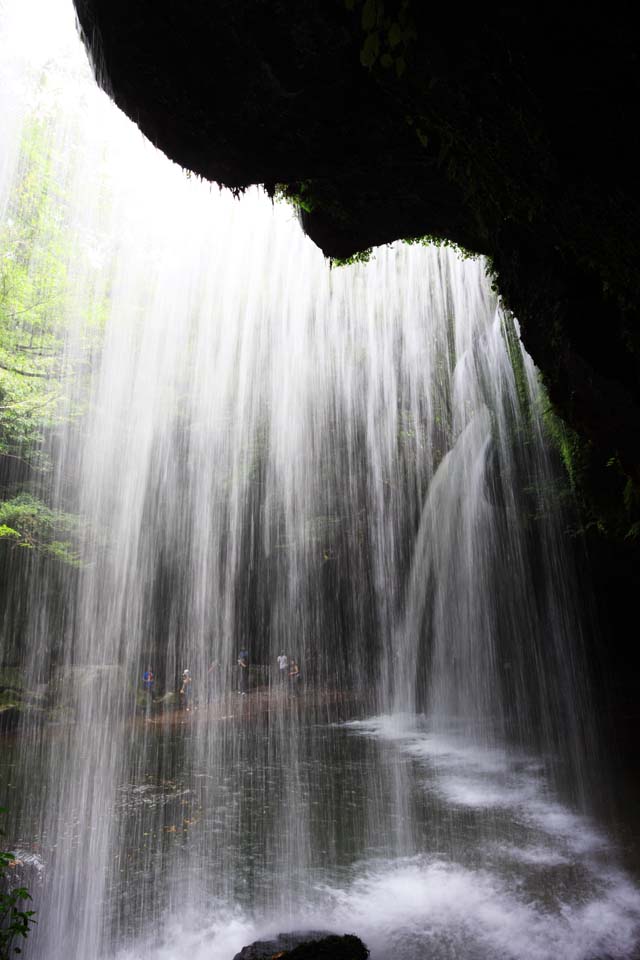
point(433, 903)
point(577, 832)
point(599, 915)
point(448, 752)
point(196, 937)
point(418, 907)
point(395, 727)
point(533, 856)
point(471, 792)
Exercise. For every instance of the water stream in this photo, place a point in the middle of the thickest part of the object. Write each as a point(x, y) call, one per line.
point(348, 466)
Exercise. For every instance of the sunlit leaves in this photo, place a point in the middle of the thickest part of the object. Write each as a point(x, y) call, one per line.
point(29, 524)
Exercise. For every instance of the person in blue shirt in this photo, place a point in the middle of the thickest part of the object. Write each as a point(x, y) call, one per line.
point(148, 683)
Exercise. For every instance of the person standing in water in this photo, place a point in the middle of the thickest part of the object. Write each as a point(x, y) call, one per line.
point(148, 683)
point(294, 677)
point(283, 663)
point(243, 672)
point(185, 690)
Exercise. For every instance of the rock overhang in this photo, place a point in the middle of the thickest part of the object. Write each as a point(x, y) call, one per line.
point(508, 130)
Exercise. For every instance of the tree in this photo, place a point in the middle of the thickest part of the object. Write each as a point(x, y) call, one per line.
point(41, 379)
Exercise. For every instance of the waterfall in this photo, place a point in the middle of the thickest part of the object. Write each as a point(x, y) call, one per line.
point(348, 466)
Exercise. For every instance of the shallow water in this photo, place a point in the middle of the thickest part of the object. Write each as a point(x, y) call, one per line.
point(482, 858)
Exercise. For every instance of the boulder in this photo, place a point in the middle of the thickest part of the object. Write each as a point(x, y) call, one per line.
point(306, 945)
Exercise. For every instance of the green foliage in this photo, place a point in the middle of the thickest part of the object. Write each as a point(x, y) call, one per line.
point(362, 256)
point(28, 523)
point(430, 240)
point(46, 278)
point(607, 499)
point(567, 442)
point(299, 194)
point(36, 297)
point(389, 32)
point(15, 921)
point(633, 532)
point(517, 363)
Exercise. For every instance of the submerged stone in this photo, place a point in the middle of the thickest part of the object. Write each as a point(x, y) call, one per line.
point(306, 945)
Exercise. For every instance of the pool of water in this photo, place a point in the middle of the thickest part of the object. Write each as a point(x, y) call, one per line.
point(423, 844)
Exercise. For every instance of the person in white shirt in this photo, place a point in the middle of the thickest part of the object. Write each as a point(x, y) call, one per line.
point(283, 663)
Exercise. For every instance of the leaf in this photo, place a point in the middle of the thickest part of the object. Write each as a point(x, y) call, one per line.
point(386, 60)
point(369, 15)
point(370, 50)
point(7, 532)
point(400, 66)
point(394, 35)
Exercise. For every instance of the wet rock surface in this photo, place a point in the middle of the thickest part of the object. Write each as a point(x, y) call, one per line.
point(306, 945)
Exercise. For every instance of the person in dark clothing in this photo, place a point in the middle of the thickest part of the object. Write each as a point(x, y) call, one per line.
point(243, 672)
point(185, 691)
point(294, 677)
